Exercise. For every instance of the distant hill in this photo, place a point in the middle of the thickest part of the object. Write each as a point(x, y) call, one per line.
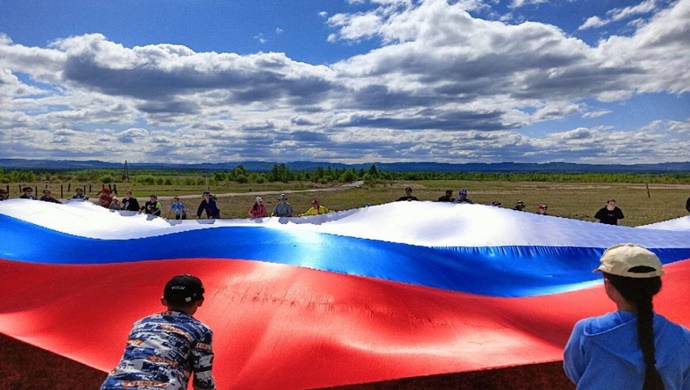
point(263, 166)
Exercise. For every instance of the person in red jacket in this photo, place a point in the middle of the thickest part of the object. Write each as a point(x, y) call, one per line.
point(105, 198)
point(258, 209)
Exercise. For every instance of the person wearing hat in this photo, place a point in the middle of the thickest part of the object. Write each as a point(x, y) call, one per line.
point(282, 208)
point(316, 209)
point(152, 207)
point(208, 205)
point(519, 206)
point(633, 347)
point(115, 204)
point(258, 209)
point(164, 349)
point(462, 197)
point(542, 209)
point(28, 193)
point(105, 198)
point(408, 195)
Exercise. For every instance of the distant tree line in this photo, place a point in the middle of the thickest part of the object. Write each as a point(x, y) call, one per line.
point(323, 175)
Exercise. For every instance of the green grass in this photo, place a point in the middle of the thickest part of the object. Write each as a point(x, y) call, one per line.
point(565, 199)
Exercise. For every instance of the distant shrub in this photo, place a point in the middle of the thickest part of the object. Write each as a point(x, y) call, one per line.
point(371, 180)
point(348, 177)
point(106, 179)
point(242, 179)
point(147, 180)
point(257, 178)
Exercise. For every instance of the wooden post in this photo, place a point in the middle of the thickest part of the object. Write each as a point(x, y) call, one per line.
point(649, 196)
point(62, 195)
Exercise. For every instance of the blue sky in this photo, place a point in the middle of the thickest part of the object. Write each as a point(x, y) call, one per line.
point(586, 81)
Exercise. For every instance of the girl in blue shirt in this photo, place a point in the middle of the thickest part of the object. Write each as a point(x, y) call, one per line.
point(632, 348)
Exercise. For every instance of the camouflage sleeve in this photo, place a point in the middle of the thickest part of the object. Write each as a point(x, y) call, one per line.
point(203, 363)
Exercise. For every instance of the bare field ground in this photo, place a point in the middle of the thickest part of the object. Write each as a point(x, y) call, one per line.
point(641, 205)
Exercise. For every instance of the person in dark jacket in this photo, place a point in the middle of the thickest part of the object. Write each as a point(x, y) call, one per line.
point(209, 206)
point(408, 196)
point(28, 193)
point(130, 203)
point(48, 197)
point(79, 196)
point(448, 197)
point(152, 207)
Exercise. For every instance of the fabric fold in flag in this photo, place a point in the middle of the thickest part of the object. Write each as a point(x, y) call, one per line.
point(343, 298)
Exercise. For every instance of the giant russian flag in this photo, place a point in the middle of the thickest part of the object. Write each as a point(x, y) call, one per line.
point(398, 290)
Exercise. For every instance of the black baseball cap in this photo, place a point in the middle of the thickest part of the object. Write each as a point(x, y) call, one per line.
point(183, 289)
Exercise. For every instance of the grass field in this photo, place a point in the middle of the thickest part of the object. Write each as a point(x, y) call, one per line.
point(640, 204)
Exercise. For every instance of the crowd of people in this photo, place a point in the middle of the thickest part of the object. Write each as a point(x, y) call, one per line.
point(208, 208)
point(462, 198)
point(609, 214)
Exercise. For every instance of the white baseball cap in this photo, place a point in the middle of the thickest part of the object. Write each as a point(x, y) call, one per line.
point(620, 259)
